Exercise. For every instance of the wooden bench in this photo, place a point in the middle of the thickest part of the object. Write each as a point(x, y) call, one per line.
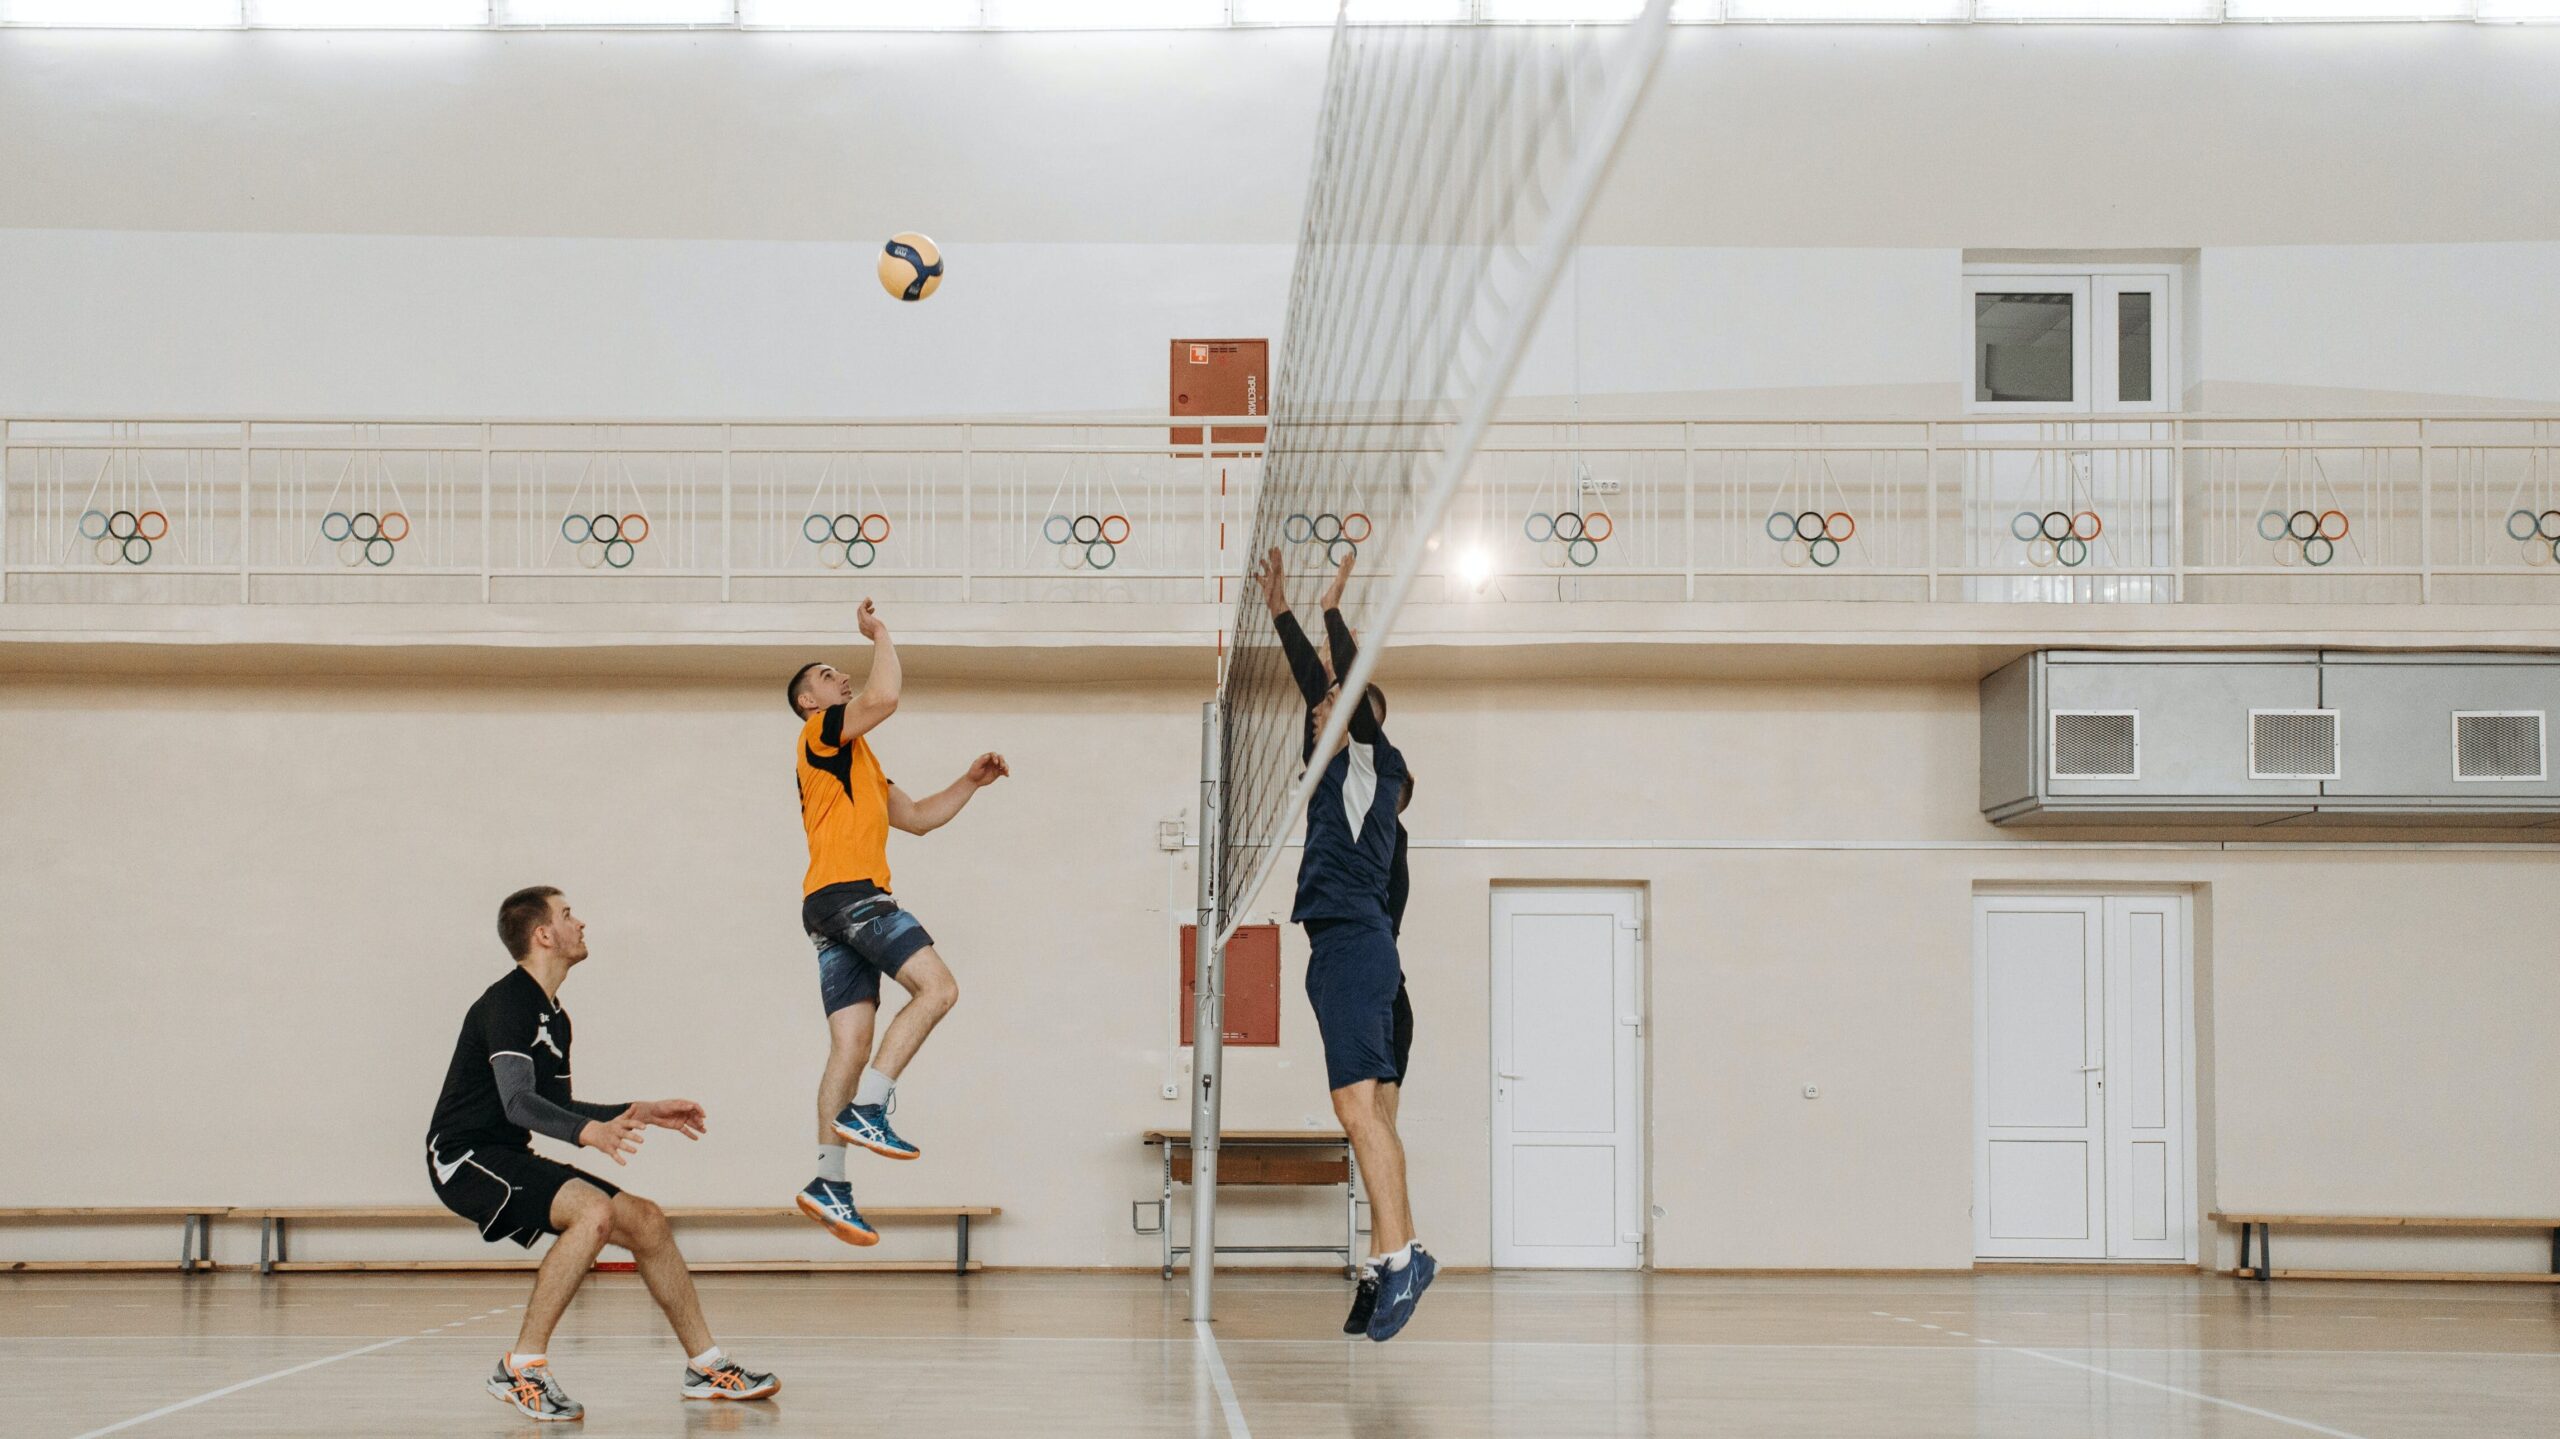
point(2264, 1269)
point(275, 1237)
point(1316, 1157)
point(195, 1234)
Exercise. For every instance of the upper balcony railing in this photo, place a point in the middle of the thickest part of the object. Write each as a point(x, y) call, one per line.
point(2370, 508)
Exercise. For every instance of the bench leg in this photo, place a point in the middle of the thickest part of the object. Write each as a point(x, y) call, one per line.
point(2244, 1250)
point(187, 1246)
point(1164, 1225)
point(2555, 1251)
point(268, 1234)
point(963, 1266)
point(2266, 1255)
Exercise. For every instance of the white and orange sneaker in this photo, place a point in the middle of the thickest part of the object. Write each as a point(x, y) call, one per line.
point(534, 1393)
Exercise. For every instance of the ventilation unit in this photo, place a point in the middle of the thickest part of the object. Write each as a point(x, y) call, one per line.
point(2293, 744)
point(2497, 744)
point(2257, 738)
point(2097, 744)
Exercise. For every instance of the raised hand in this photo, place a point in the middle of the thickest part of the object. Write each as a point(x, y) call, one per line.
point(615, 1138)
point(681, 1115)
point(868, 619)
point(1275, 583)
point(987, 769)
point(1341, 577)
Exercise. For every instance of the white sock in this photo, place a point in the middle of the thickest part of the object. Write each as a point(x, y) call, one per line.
point(1396, 1259)
point(875, 1088)
point(708, 1360)
point(518, 1361)
point(831, 1162)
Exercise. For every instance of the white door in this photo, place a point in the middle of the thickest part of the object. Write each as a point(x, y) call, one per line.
point(2080, 1078)
point(2146, 1078)
point(1567, 1163)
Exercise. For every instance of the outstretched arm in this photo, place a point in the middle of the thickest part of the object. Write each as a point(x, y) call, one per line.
point(923, 816)
point(610, 1129)
point(1313, 682)
point(878, 698)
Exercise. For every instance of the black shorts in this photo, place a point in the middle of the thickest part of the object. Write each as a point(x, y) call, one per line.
point(505, 1190)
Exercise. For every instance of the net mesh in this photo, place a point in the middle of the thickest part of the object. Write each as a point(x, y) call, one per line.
point(1453, 164)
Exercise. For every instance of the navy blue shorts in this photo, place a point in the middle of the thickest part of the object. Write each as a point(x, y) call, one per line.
point(860, 935)
point(1352, 979)
point(1404, 1027)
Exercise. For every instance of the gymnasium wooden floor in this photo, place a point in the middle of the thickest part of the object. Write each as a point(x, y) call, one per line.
point(1987, 1357)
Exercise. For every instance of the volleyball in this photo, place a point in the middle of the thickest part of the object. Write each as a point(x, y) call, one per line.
point(910, 266)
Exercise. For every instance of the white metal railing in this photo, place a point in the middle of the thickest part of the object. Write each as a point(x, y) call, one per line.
point(2162, 509)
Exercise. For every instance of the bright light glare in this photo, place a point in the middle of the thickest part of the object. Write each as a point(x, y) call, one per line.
point(1844, 10)
point(860, 14)
point(2093, 9)
point(162, 14)
point(368, 14)
point(1105, 14)
point(1363, 12)
point(614, 12)
point(1475, 567)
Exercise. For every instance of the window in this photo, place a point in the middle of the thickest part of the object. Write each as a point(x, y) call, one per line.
point(2058, 340)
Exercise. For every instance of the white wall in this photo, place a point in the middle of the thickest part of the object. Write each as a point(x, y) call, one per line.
point(681, 225)
point(281, 893)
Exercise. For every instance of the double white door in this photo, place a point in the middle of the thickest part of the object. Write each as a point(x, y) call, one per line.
point(2082, 1078)
point(1568, 1167)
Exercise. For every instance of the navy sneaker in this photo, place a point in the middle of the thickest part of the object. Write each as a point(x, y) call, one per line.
point(1398, 1290)
point(830, 1202)
point(1364, 1302)
point(868, 1126)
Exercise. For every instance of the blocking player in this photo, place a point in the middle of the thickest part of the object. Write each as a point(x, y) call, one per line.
point(509, 1080)
point(848, 806)
point(1353, 971)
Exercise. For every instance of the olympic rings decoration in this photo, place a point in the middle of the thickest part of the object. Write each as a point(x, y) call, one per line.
point(1809, 536)
point(366, 538)
point(610, 539)
point(1090, 541)
point(1580, 532)
point(1339, 534)
point(844, 539)
point(2057, 537)
point(124, 537)
point(2540, 534)
point(2311, 536)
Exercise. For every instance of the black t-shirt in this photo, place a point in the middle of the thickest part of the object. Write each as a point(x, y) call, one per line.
point(513, 1016)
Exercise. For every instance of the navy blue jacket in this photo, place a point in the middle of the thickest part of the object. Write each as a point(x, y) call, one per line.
point(1354, 842)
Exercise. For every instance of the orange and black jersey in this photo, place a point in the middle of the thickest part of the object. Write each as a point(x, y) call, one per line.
point(844, 805)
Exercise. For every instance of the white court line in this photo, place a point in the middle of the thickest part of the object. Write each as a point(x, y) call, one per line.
point(1208, 1351)
point(2268, 1414)
point(168, 1409)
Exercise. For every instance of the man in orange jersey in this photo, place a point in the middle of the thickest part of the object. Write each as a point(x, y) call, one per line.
point(848, 807)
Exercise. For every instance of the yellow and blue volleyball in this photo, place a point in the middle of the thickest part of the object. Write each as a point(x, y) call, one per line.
point(910, 266)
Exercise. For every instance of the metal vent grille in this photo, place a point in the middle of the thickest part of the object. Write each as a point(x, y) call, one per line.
point(2097, 744)
point(2499, 745)
point(2293, 744)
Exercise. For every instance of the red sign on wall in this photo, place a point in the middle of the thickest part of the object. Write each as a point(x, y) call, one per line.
point(1221, 377)
point(1253, 984)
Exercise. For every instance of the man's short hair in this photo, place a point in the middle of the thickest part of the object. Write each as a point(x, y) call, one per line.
point(523, 912)
point(793, 692)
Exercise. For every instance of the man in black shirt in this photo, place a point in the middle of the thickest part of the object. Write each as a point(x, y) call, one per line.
point(509, 1080)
